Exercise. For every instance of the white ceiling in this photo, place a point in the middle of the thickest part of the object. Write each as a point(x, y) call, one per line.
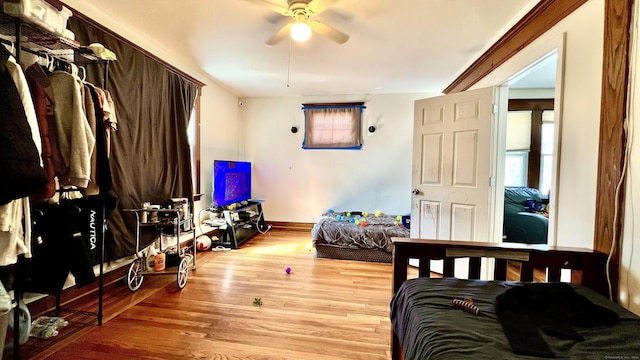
point(401, 46)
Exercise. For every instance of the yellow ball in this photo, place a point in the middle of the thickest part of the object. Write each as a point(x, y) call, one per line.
point(378, 213)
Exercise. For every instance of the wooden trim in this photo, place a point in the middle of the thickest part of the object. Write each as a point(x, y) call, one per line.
point(535, 149)
point(530, 104)
point(296, 226)
point(536, 22)
point(88, 20)
point(615, 72)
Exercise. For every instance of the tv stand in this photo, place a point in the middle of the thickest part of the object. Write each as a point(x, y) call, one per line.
point(243, 223)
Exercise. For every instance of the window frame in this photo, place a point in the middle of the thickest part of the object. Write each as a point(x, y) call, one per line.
point(523, 156)
point(355, 142)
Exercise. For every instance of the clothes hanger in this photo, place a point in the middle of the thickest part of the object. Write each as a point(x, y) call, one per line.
point(51, 66)
point(74, 69)
point(83, 72)
point(67, 202)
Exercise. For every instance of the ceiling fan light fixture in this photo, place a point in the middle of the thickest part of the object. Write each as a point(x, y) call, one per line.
point(300, 31)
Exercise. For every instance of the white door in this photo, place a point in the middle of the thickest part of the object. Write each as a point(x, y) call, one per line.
point(451, 171)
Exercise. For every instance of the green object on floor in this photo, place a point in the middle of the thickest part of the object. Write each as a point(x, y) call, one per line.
point(257, 302)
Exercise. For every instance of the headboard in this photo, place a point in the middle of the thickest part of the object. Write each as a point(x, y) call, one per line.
point(587, 266)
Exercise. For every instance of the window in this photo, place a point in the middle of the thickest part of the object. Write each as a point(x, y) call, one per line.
point(546, 151)
point(194, 144)
point(333, 126)
point(516, 168)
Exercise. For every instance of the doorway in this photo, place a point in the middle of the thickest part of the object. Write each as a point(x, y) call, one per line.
point(434, 162)
point(531, 153)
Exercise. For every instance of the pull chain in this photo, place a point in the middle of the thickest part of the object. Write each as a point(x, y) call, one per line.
point(289, 63)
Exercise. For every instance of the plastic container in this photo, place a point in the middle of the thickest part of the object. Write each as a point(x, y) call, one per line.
point(159, 262)
point(40, 13)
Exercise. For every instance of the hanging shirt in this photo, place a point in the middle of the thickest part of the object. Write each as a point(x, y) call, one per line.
point(90, 112)
point(43, 103)
point(12, 233)
point(27, 102)
point(75, 139)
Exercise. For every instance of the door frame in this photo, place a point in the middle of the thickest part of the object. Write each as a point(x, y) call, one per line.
point(557, 47)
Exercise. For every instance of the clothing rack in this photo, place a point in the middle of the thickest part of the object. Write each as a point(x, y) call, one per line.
point(36, 41)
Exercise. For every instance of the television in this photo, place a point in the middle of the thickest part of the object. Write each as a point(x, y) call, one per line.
point(231, 182)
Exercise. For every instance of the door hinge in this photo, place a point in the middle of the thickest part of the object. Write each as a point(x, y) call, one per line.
point(495, 109)
point(492, 181)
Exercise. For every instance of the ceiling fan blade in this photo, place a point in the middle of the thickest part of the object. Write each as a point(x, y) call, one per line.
point(318, 6)
point(279, 35)
point(328, 31)
point(272, 6)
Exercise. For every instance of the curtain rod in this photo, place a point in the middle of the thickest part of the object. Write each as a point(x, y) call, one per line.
point(335, 104)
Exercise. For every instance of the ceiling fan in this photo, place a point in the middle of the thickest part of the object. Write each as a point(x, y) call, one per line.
point(301, 24)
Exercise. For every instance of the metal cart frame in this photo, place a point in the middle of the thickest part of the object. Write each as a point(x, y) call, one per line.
point(139, 267)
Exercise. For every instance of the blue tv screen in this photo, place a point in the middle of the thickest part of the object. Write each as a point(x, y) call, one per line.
point(231, 182)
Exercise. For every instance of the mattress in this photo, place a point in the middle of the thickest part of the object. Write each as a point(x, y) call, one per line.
point(337, 229)
point(429, 326)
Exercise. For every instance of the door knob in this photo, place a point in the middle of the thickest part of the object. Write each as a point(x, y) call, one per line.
point(415, 192)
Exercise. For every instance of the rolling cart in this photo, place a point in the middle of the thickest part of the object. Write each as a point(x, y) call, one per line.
point(161, 219)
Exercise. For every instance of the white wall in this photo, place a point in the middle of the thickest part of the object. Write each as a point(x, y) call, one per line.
point(299, 185)
point(629, 264)
point(580, 115)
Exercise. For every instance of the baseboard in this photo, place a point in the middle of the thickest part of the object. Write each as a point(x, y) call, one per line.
point(293, 226)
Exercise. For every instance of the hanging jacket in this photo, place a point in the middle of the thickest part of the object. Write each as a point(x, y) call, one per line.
point(20, 162)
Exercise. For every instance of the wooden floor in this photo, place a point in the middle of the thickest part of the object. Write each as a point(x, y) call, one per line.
point(325, 309)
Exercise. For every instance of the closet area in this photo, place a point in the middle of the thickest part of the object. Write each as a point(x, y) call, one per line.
point(90, 125)
point(55, 131)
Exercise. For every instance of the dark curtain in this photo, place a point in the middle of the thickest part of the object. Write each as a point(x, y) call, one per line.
point(150, 154)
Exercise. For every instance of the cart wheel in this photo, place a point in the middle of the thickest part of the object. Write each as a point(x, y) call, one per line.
point(134, 276)
point(183, 272)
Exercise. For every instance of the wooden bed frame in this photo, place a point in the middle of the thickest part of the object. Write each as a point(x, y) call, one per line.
point(587, 266)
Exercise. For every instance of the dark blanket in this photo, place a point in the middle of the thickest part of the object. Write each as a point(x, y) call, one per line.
point(430, 327)
point(554, 308)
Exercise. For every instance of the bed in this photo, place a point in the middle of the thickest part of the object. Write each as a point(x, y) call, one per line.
point(516, 319)
point(340, 235)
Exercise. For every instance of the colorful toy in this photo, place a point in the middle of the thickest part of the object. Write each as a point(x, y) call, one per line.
point(399, 217)
point(357, 222)
point(365, 214)
point(330, 211)
point(378, 213)
point(466, 305)
point(287, 270)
